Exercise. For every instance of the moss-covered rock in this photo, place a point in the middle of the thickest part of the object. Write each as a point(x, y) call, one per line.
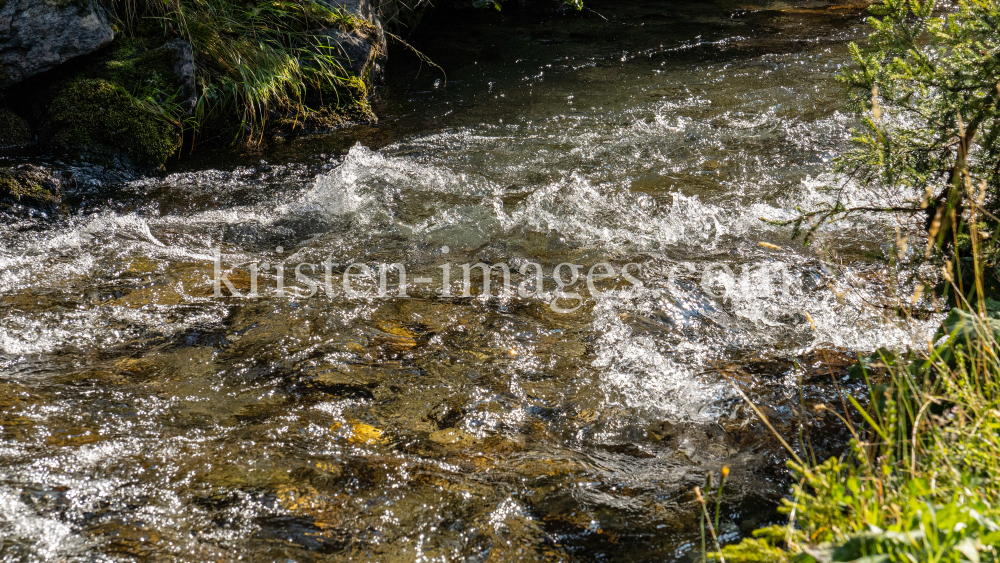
point(29, 186)
point(359, 108)
point(348, 104)
point(14, 130)
point(98, 117)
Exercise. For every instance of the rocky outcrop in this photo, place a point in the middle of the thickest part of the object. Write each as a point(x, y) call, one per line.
point(37, 35)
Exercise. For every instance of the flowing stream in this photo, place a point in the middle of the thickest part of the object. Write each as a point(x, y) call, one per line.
point(143, 417)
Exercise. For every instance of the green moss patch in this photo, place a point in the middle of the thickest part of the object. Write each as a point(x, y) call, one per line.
point(97, 116)
point(28, 185)
point(358, 96)
point(341, 107)
point(14, 130)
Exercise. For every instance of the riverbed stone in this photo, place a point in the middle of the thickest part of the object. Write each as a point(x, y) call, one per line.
point(38, 35)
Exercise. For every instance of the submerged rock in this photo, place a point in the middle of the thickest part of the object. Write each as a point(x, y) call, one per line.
point(38, 35)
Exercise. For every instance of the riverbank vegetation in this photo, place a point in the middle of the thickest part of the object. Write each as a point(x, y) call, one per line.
point(919, 481)
point(185, 73)
point(258, 61)
point(291, 64)
point(921, 478)
point(182, 72)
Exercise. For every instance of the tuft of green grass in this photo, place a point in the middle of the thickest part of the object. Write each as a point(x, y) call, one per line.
point(257, 60)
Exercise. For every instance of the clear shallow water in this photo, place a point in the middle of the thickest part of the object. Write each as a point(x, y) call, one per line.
point(144, 418)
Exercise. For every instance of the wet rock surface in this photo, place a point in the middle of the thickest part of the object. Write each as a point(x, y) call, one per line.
point(29, 188)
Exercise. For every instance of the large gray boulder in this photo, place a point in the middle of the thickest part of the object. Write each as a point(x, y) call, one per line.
point(37, 35)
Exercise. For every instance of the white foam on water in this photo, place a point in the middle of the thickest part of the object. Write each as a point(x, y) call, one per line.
point(50, 539)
